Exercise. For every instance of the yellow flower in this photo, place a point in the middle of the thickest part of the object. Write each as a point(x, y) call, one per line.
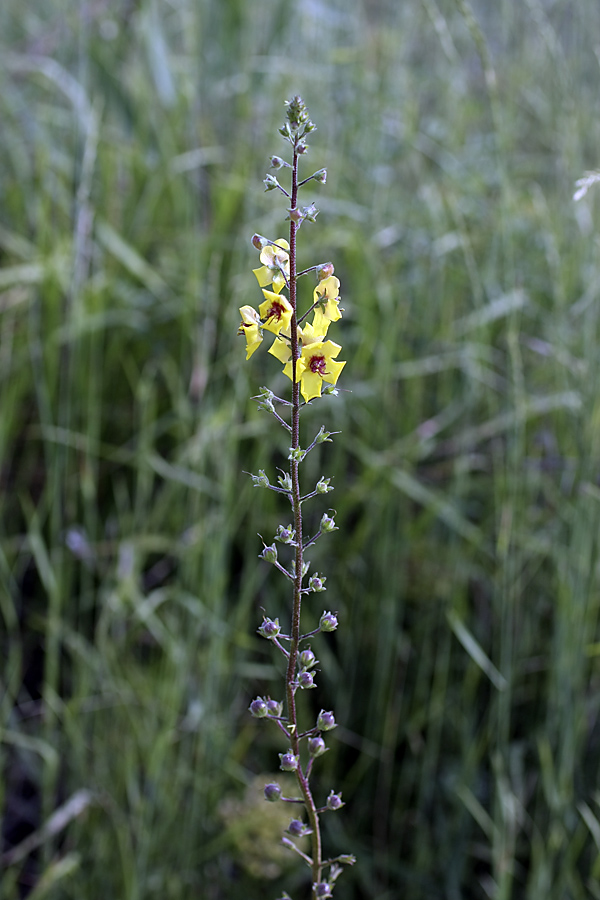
point(250, 327)
point(315, 365)
point(318, 365)
point(275, 312)
point(275, 265)
point(327, 294)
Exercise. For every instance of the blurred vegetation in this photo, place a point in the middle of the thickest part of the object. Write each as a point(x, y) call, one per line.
point(135, 135)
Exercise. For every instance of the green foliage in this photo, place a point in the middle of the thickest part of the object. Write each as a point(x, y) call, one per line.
point(133, 138)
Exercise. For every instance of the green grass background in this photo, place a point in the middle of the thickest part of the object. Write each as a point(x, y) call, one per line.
point(134, 137)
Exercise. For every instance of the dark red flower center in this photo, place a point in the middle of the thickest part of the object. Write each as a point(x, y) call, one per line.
point(275, 311)
point(318, 365)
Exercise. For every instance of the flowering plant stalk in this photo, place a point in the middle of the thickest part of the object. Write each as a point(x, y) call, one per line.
point(310, 362)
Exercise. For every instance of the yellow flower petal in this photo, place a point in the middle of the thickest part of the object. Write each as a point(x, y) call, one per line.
point(276, 312)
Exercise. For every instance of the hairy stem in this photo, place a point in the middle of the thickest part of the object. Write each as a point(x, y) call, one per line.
point(297, 510)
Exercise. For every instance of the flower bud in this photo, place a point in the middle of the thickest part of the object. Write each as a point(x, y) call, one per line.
point(326, 721)
point(269, 554)
point(306, 680)
point(270, 628)
point(298, 829)
point(334, 801)
point(296, 454)
point(259, 242)
point(270, 183)
point(323, 486)
point(307, 659)
point(316, 583)
point(261, 479)
point(328, 622)
point(278, 163)
point(322, 889)
point(285, 481)
point(265, 400)
point(272, 792)
point(288, 762)
point(347, 859)
point(320, 176)
point(258, 708)
point(328, 524)
point(274, 707)
point(310, 212)
point(325, 270)
point(285, 534)
point(316, 746)
point(323, 436)
point(295, 215)
point(330, 389)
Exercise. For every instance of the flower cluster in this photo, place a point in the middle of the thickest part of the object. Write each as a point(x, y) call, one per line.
point(317, 361)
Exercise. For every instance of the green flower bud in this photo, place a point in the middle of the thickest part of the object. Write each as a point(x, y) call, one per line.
point(323, 436)
point(278, 163)
point(328, 622)
point(297, 454)
point(270, 183)
point(285, 535)
point(270, 628)
point(285, 481)
point(307, 659)
point(316, 583)
point(323, 486)
point(261, 479)
point(328, 524)
point(326, 721)
point(320, 176)
point(269, 554)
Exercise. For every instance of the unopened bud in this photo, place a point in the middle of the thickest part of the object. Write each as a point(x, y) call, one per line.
point(288, 762)
point(306, 680)
point(316, 746)
point(285, 481)
point(272, 792)
point(326, 721)
point(316, 583)
point(324, 271)
point(270, 628)
point(258, 708)
point(323, 486)
point(320, 176)
point(285, 534)
point(334, 801)
point(269, 554)
point(328, 524)
point(270, 182)
point(298, 828)
point(259, 241)
point(307, 659)
point(274, 707)
point(328, 622)
point(278, 163)
point(261, 479)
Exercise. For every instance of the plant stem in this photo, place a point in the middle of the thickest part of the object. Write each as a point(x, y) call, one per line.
point(297, 509)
